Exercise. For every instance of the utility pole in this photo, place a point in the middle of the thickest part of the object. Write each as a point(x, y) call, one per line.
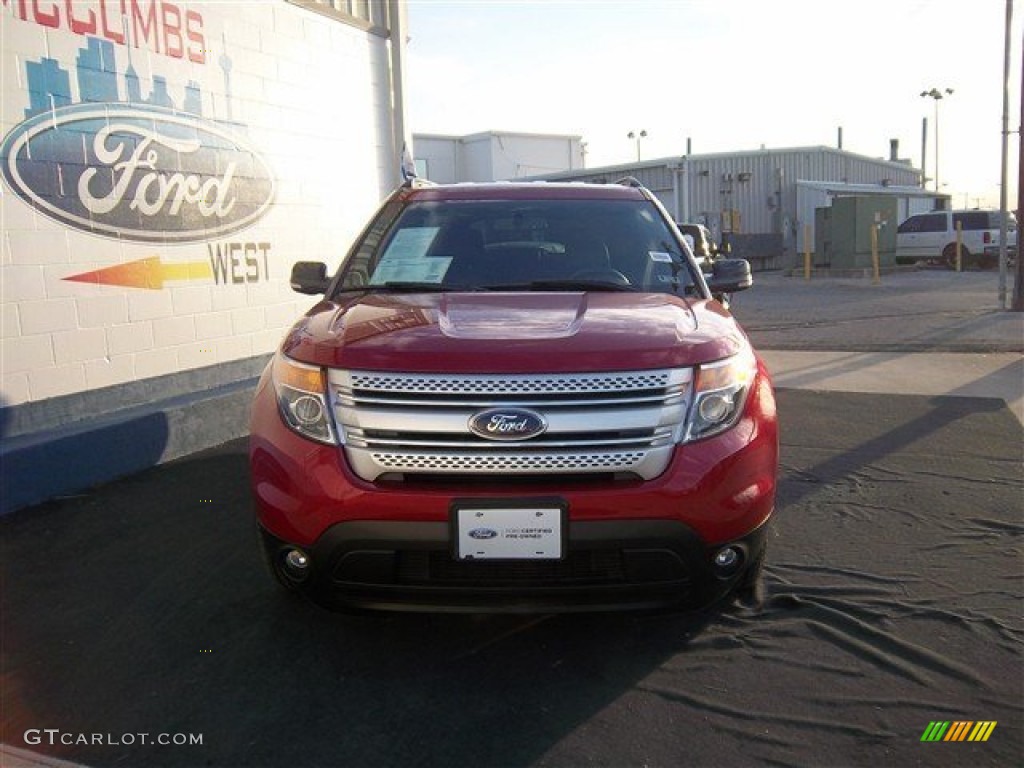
point(1004, 183)
point(1017, 305)
point(402, 142)
point(937, 95)
point(924, 153)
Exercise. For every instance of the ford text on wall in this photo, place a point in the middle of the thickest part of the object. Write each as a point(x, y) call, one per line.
point(163, 165)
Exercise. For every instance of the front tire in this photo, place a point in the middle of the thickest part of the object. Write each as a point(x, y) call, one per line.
point(750, 589)
point(949, 256)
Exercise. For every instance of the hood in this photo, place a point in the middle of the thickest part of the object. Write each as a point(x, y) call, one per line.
point(513, 332)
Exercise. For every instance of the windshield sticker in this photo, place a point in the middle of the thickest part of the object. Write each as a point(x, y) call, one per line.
point(665, 258)
point(410, 270)
point(410, 243)
point(405, 259)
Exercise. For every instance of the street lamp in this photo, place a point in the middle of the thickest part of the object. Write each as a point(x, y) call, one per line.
point(641, 135)
point(937, 95)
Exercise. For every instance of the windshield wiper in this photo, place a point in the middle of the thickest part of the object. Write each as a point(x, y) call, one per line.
point(410, 286)
point(560, 285)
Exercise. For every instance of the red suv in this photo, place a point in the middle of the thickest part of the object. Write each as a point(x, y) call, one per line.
point(516, 397)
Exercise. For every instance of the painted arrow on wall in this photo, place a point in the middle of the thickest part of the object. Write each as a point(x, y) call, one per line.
point(149, 273)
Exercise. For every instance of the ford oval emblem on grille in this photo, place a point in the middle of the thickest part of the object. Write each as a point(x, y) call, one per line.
point(483, 533)
point(507, 424)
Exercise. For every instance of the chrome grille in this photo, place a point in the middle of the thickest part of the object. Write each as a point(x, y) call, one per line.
point(507, 462)
point(432, 384)
point(597, 422)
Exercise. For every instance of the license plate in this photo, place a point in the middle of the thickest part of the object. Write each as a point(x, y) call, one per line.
point(509, 533)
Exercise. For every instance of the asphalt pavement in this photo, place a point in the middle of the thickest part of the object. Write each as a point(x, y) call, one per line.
point(927, 310)
point(924, 332)
point(140, 611)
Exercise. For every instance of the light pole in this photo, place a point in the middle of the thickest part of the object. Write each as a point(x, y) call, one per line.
point(637, 136)
point(937, 95)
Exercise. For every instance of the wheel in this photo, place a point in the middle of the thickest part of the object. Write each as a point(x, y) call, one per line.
point(750, 589)
point(949, 256)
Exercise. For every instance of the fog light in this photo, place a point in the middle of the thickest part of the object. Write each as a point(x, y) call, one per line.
point(296, 564)
point(727, 561)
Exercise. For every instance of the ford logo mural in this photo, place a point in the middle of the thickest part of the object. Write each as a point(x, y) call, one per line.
point(507, 424)
point(137, 172)
point(483, 533)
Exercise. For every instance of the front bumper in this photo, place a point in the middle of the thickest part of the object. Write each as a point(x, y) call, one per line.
point(608, 566)
point(992, 251)
point(631, 543)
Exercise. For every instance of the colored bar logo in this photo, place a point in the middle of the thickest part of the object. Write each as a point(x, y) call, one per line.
point(959, 730)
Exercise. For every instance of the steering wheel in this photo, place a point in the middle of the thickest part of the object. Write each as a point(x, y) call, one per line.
point(607, 275)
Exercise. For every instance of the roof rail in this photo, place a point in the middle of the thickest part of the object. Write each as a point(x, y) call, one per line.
point(415, 182)
point(408, 167)
point(629, 181)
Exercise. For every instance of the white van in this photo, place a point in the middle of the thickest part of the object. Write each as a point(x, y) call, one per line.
point(932, 236)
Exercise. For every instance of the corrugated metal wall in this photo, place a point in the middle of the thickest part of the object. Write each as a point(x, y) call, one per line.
point(760, 185)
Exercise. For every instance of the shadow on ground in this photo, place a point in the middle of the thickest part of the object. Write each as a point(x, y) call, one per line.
point(894, 587)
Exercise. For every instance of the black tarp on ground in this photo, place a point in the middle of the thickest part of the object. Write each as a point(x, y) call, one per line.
point(894, 599)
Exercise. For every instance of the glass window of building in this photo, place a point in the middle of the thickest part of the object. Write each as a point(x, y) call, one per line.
point(371, 12)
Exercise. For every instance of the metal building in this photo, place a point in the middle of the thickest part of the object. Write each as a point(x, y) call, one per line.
point(494, 155)
point(761, 201)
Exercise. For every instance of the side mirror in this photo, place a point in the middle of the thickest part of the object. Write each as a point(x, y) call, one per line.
point(309, 277)
point(690, 242)
point(729, 276)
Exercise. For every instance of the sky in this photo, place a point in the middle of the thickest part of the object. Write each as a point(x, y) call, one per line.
point(729, 75)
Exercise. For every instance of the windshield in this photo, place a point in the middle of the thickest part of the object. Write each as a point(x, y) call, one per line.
point(523, 245)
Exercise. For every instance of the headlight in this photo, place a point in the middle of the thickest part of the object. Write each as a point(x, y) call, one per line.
point(719, 392)
point(301, 398)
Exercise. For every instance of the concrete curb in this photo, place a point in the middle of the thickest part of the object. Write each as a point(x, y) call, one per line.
point(997, 376)
point(68, 458)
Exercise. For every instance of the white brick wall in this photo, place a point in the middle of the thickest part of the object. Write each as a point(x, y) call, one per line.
point(125, 339)
point(155, 362)
point(247, 320)
point(174, 331)
point(16, 219)
point(56, 381)
point(10, 324)
point(14, 388)
point(47, 316)
point(192, 299)
point(26, 353)
point(75, 346)
point(48, 246)
point(96, 251)
point(229, 297)
point(22, 283)
point(306, 94)
point(196, 355)
point(234, 348)
point(213, 325)
point(102, 311)
point(149, 305)
point(109, 371)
